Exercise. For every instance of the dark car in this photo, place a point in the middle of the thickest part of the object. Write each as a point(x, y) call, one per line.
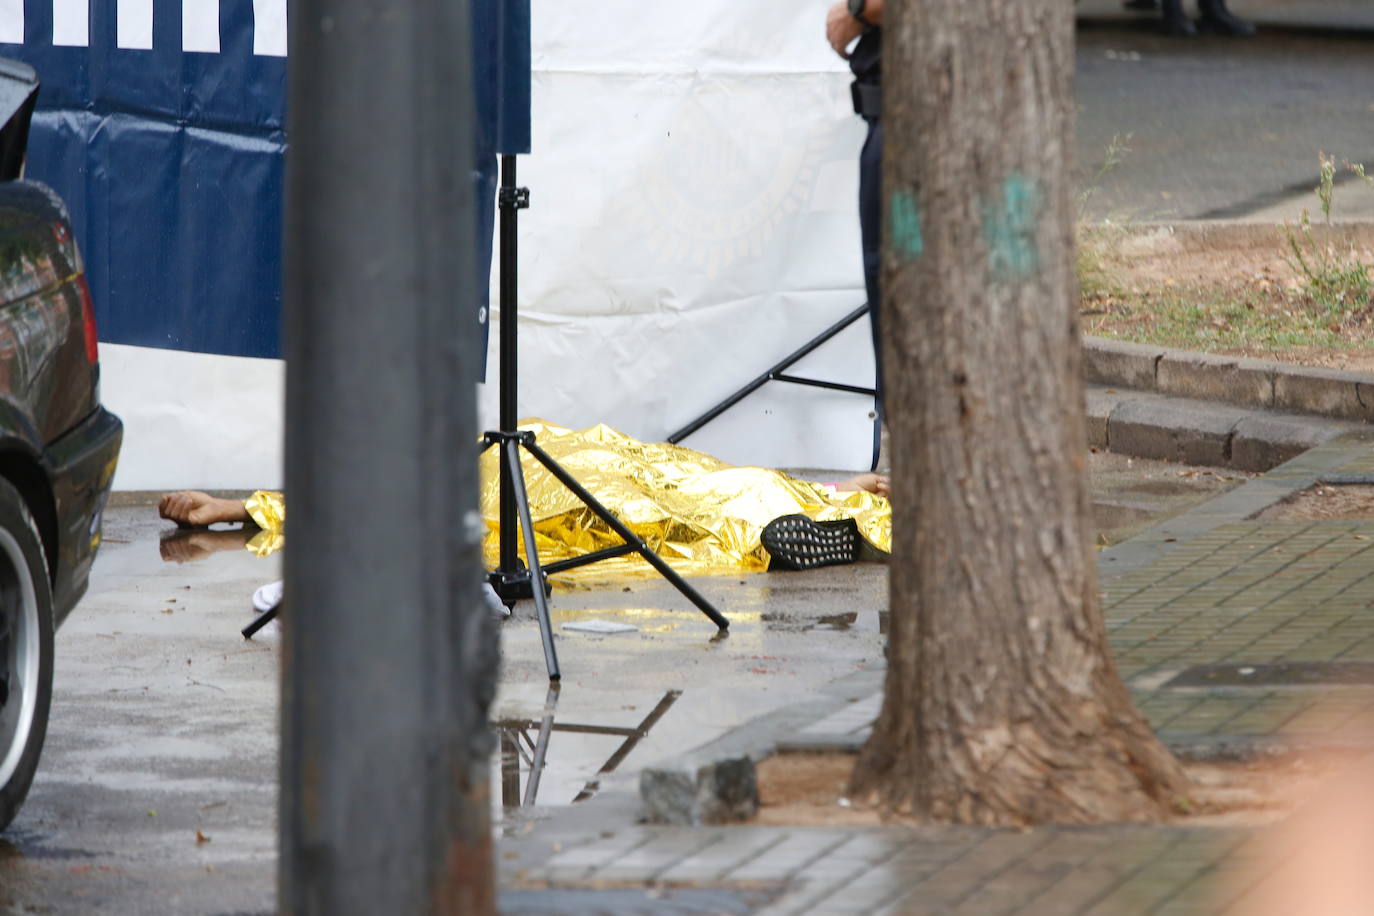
point(58, 446)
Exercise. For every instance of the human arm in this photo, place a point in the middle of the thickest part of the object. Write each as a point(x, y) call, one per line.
point(194, 509)
point(841, 28)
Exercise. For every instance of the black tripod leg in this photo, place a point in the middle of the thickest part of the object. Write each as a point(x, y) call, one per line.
point(511, 451)
point(630, 537)
point(259, 622)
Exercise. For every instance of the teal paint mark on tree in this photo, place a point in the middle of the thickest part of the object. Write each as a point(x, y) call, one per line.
point(904, 225)
point(1009, 229)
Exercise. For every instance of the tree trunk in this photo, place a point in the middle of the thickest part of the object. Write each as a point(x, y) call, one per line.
point(1002, 703)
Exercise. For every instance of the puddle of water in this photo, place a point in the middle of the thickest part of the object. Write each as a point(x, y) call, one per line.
point(525, 745)
point(191, 545)
point(588, 738)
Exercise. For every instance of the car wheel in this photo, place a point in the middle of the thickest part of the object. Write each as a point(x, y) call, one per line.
point(26, 650)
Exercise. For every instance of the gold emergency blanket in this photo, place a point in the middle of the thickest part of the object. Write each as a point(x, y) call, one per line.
point(698, 513)
point(268, 512)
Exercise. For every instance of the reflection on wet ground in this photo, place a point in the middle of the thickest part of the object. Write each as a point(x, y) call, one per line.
point(835, 622)
point(525, 746)
point(187, 545)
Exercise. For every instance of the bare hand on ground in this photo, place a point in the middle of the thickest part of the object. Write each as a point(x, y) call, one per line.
point(194, 509)
point(873, 483)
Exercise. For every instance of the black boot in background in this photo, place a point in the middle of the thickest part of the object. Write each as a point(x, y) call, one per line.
point(1217, 18)
point(1174, 20)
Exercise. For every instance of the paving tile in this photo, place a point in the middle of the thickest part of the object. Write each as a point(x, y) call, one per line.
point(739, 846)
point(799, 848)
point(664, 850)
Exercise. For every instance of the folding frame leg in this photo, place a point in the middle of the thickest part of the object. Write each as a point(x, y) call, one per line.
point(510, 450)
point(616, 525)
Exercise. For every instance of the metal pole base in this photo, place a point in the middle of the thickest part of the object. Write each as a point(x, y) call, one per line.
point(515, 585)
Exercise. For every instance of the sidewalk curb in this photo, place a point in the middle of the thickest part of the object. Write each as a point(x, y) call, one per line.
point(1145, 25)
point(1143, 424)
point(1336, 394)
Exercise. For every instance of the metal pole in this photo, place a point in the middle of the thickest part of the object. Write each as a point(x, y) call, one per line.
point(510, 357)
point(388, 657)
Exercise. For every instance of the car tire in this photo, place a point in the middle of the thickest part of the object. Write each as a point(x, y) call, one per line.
point(26, 650)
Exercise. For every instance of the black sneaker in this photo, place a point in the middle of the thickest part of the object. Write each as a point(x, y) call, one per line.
point(796, 542)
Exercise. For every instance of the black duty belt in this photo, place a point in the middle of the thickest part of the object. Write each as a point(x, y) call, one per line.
point(868, 99)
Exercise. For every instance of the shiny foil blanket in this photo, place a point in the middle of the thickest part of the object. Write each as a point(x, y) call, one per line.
point(268, 512)
point(698, 513)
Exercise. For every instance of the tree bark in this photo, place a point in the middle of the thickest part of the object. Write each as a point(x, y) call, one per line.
point(1003, 705)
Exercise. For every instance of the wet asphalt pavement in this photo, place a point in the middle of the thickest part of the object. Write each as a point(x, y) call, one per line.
point(163, 725)
point(1221, 128)
point(157, 789)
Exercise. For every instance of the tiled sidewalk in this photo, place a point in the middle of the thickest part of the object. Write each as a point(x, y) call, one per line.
point(1250, 594)
point(1205, 589)
point(840, 872)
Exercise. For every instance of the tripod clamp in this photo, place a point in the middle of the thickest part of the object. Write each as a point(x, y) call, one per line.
point(514, 198)
point(496, 436)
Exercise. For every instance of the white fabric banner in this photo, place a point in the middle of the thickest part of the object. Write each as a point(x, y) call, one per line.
point(694, 219)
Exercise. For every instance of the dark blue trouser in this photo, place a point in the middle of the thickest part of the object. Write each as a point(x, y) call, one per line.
point(871, 227)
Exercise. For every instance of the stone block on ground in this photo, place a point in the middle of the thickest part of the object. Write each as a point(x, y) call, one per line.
point(1116, 362)
point(693, 792)
point(1216, 378)
point(1335, 393)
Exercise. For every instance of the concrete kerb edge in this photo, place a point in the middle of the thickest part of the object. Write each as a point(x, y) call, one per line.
point(1320, 464)
point(1145, 424)
point(1333, 393)
point(715, 783)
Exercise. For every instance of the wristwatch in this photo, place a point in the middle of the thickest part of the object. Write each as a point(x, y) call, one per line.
point(856, 9)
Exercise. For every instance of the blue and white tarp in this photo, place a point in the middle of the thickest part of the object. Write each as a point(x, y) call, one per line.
point(162, 124)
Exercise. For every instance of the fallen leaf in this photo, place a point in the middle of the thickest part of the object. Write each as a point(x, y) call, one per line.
point(201, 838)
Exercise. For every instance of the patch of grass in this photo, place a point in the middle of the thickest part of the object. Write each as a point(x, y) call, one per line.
point(1335, 280)
point(1094, 249)
point(1221, 320)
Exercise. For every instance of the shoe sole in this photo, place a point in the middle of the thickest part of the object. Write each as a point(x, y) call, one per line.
point(795, 542)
